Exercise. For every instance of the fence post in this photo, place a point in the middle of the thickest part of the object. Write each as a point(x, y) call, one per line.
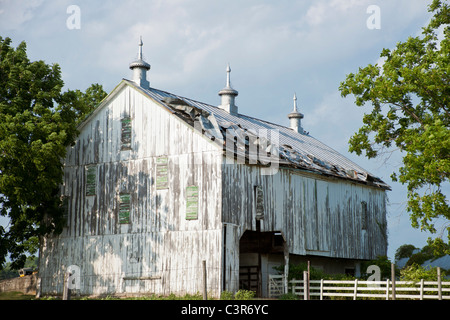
point(293, 286)
point(285, 282)
point(305, 286)
point(309, 272)
point(321, 289)
point(439, 283)
point(393, 280)
point(387, 289)
point(38, 286)
point(205, 295)
point(286, 268)
point(66, 290)
point(421, 289)
point(355, 292)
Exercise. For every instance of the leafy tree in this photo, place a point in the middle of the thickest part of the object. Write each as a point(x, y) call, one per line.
point(418, 258)
point(438, 247)
point(410, 94)
point(434, 249)
point(7, 272)
point(415, 273)
point(37, 123)
point(404, 251)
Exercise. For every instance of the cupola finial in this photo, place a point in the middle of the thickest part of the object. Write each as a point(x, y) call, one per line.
point(228, 76)
point(140, 48)
point(295, 102)
point(228, 94)
point(295, 118)
point(140, 68)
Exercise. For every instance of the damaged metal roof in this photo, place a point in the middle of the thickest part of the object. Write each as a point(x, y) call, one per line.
point(293, 149)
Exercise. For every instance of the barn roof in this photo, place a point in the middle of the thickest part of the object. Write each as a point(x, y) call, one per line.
point(293, 149)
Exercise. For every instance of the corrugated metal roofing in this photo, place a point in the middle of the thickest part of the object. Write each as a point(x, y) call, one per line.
point(296, 150)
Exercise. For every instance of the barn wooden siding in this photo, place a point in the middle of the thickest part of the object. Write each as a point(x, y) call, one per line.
point(130, 230)
point(322, 216)
point(159, 250)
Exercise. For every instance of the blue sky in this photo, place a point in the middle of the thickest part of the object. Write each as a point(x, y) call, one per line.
point(275, 48)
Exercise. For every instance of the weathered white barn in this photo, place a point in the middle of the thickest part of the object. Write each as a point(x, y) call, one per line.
point(157, 183)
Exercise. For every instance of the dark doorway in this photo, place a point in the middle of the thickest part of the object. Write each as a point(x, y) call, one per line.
point(249, 278)
point(251, 246)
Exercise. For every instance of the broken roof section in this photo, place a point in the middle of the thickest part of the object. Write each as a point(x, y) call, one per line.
point(259, 142)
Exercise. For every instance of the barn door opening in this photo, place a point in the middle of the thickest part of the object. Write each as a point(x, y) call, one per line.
point(254, 248)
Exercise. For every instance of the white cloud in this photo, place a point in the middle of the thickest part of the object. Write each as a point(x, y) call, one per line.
point(334, 119)
point(324, 12)
point(316, 13)
point(275, 48)
point(14, 13)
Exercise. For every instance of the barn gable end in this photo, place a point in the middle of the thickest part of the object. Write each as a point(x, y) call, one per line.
point(127, 207)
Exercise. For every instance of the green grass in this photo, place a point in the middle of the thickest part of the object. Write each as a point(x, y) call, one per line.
point(16, 296)
point(240, 295)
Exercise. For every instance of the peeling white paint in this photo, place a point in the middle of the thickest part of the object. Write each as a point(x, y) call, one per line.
point(160, 251)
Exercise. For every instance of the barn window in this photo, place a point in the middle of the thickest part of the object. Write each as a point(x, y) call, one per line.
point(124, 208)
point(91, 180)
point(278, 240)
point(126, 134)
point(162, 177)
point(350, 271)
point(192, 203)
point(363, 215)
point(259, 202)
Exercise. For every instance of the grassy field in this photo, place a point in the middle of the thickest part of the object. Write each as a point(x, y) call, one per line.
point(240, 295)
point(15, 296)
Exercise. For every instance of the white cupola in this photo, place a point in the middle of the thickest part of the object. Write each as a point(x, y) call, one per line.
point(140, 68)
point(295, 118)
point(228, 94)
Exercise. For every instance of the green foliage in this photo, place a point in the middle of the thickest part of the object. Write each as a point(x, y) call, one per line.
point(240, 295)
point(244, 295)
point(8, 272)
point(438, 247)
point(404, 251)
point(416, 272)
point(296, 272)
point(226, 295)
point(419, 258)
point(13, 295)
point(289, 296)
point(37, 123)
point(434, 249)
point(410, 94)
point(383, 262)
point(187, 296)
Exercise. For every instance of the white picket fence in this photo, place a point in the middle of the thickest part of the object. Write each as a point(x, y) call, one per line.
point(359, 289)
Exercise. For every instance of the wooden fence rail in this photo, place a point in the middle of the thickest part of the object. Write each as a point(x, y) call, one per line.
point(359, 289)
